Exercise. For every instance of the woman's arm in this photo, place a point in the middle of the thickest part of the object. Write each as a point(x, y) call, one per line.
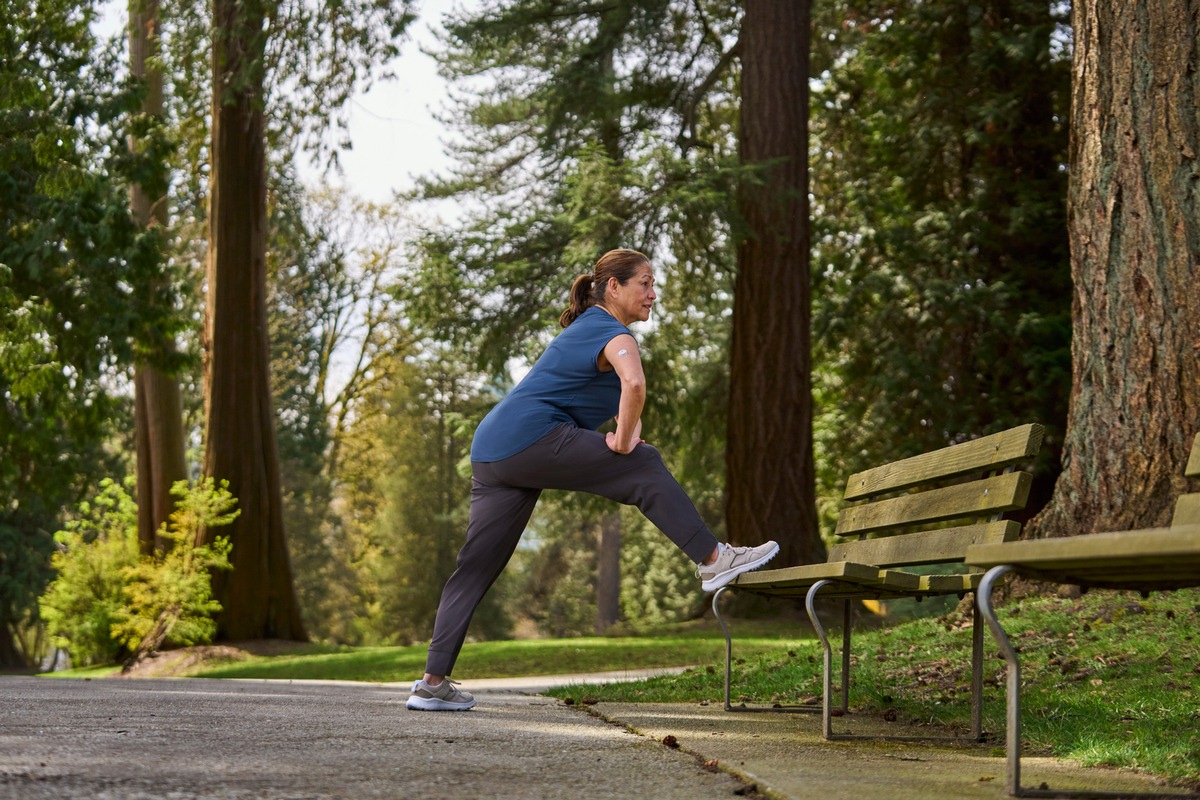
point(622, 353)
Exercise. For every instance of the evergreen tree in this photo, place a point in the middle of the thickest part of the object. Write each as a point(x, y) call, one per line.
point(71, 261)
point(942, 279)
point(158, 406)
point(770, 475)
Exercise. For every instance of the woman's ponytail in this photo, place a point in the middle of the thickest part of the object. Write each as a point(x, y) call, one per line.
point(581, 299)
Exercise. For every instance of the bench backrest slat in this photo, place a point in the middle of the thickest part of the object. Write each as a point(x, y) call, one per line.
point(1187, 507)
point(994, 452)
point(930, 508)
point(981, 498)
point(1187, 510)
point(940, 546)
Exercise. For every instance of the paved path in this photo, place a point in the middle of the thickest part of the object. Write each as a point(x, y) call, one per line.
point(182, 739)
point(192, 738)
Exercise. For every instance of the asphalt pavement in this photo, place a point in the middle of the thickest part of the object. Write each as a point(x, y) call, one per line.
point(178, 739)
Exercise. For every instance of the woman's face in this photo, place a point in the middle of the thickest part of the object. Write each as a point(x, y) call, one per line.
point(632, 301)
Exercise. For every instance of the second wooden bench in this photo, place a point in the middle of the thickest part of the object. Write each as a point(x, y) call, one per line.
point(921, 511)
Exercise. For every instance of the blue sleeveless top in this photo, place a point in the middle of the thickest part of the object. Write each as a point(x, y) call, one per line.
point(565, 385)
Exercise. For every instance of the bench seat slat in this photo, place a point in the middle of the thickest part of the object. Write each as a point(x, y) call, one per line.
point(1140, 559)
point(806, 575)
point(959, 583)
point(986, 497)
point(1119, 546)
point(849, 580)
point(988, 453)
point(1112, 577)
point(941, 546)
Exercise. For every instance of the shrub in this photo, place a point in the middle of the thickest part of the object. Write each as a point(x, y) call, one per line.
point(107, 604)
point(169, 595)
point(82, 603)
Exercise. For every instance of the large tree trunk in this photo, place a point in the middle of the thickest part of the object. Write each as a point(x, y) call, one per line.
point(158, 409)
point(770, 477)
point(1135, 261)
point(258, 598)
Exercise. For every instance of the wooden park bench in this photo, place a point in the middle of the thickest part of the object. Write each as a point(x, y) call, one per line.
point(922, 511)
point(1154, 559)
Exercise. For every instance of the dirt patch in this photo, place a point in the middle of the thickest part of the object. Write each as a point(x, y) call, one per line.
point(189, 660)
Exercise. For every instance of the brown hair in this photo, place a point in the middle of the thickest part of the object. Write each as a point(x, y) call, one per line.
point(588, 290)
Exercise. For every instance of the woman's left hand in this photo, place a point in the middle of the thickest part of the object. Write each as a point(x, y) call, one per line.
point(610, 439)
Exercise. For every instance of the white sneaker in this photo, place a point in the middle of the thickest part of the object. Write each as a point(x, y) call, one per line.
point(733, 561)
point(443, 697)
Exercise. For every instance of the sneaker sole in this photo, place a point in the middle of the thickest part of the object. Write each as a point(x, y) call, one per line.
point(717, 581)
point(434, 704)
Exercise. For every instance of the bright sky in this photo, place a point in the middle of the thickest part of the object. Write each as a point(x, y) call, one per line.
point(395, 137)
point(392, 127)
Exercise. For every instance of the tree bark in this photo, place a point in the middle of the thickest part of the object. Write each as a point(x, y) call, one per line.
point(1135, 263)
point(158, 407)
point(258, 598)
point(770, 476)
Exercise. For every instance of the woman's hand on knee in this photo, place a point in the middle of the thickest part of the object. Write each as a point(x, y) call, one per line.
point(610, 439)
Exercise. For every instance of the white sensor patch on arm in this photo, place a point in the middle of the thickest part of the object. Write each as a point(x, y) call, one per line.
point(622, 352)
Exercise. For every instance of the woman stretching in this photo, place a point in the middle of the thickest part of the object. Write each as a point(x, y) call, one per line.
point(543, 435)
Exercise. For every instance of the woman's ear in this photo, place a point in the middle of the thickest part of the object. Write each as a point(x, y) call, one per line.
point(613, 284)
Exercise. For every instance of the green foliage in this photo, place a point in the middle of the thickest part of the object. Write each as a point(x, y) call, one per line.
point(168, 596)
point(308, 309)
point(84, 602)
point(71, 264)
point(941, 273)
point(105, 602)
point(568, 145)
point(555, 570)
point(318, 56)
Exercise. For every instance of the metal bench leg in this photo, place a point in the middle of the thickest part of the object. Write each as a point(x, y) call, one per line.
point(976, 673)
point(983, 600)
point(846, 628)
point(728, 643)
point(827, 685)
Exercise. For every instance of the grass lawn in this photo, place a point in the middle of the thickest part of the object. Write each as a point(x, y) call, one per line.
point(672, 646)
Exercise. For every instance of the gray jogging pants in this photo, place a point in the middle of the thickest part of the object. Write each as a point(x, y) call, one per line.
point(503, 494)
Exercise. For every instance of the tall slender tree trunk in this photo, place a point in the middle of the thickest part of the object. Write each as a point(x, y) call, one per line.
point(770, 476)
point(158, 408)
point(258, 597)
point(1135, 262)
point(608, 572)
